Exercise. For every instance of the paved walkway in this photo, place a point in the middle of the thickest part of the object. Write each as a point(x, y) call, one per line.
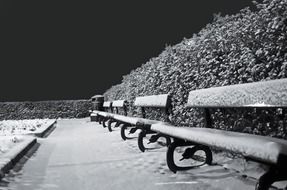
point(81, 155)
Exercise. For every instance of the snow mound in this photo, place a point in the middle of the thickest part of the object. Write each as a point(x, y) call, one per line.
point(7, 142)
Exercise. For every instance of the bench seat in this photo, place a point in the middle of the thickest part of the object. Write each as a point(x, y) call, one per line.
point(104, 114)
point(95, 112)
point(260, 148)
point(133, 120)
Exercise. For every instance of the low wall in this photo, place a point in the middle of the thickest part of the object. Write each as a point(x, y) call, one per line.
point(45, 109)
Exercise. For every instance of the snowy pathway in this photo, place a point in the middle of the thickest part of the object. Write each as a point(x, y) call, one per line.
point(83, 155)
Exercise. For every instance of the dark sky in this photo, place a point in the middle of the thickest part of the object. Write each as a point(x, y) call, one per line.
point(52, 50)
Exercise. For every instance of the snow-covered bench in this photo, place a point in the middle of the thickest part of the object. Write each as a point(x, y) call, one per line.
point(119, 107)
point(161, 102)
point(263, 149)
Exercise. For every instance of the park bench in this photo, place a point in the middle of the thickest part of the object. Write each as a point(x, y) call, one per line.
point(161, 102)
point(267, 150)
point(103, 115)
point(118, 107)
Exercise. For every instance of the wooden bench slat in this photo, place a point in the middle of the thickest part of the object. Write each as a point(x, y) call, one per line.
point(152, 101)
point(258, 94)
point(262, 148)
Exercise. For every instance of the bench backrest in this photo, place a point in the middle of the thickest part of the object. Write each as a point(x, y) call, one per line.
point(258, 94)
point(107, 105)
point(120, 104)
point(154, 101)
point(264, 94)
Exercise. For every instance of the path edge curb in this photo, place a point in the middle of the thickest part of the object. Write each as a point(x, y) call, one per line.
point(45, 130)
point(15, 155)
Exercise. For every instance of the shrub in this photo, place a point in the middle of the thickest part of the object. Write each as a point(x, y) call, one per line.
point(246, 47)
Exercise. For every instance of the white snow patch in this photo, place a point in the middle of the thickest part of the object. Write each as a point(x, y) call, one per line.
point(152, 101)
point(7, 142)
point(22, 127)
point(119, 103)
point(107, 104)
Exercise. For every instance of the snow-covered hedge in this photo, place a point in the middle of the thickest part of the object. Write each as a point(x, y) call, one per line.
point(246, 47)
point(45, 109)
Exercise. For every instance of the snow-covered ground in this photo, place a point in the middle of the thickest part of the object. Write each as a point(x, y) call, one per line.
point(22, 127)
point(81, 154)
point(84, 155)
point(12, 131)
point(7, 142)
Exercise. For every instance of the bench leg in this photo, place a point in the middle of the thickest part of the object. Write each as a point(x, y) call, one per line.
point(117, 124)
point(100, 119)
point(188, 153)
point(110, 124)
point(104, 122)
point(133, 130)
point(272, 175)
point(152, 139)
point(155, 137)
point(141, 136)
point(168, 140)
point(123, 133)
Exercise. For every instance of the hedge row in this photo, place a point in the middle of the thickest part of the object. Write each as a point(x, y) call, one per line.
point(45, 109)
point(246, 47)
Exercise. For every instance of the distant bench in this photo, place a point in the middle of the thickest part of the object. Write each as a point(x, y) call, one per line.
point(262, 149)
point(99, 116)
point(114, 106)
point(161, 102)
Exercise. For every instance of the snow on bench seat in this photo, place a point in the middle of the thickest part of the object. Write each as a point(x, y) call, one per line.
point(95, 112)
point(271, 93)
point(261, 148)
point(104, 114)
point(152, 101)
point(133, 120)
